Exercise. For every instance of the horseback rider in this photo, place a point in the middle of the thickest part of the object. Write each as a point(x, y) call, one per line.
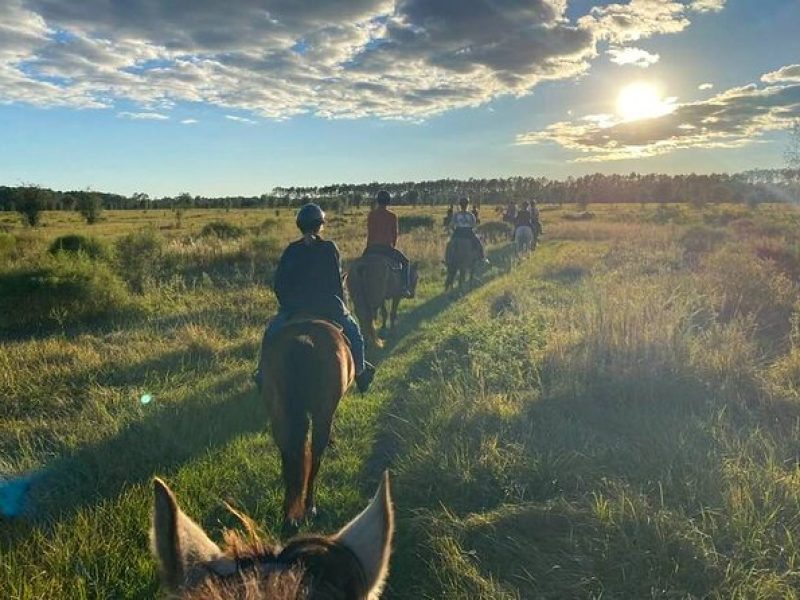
point(448, 217)
point(308, 281)
point(524, 218)
point(463, 224)
point(511, 213)
point(536, 222)
point(382, 233)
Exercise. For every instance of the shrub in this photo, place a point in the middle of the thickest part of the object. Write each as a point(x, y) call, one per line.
point(140, 258)
point(494, 230)
point(59, 290)
point(74, 243)
point(408, 223)
point(90, 206)
point(701, 238)
point(223, 230)
point(30, 201)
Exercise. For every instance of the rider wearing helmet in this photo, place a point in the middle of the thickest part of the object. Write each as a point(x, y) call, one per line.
point(382, 233)
point(309, 281)
point(464, 223)
point(524, 218)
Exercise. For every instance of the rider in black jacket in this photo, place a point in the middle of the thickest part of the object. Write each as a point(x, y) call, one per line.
point(309, 281)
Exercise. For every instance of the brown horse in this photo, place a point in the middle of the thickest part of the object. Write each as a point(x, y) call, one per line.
point(372, 281)
point(353, 563)
point(308, 368)
point(461, 259)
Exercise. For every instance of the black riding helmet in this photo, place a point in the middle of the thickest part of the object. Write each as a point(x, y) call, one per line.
point(310, 217)
point(383, 198)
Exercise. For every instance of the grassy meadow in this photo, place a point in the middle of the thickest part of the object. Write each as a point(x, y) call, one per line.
point(617, 416)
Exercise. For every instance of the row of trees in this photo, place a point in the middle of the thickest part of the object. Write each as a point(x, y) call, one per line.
point(752, 187)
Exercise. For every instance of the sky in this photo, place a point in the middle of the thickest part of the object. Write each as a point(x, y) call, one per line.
point(237, 97)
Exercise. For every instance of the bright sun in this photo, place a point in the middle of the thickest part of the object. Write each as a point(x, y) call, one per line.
point(642, 101)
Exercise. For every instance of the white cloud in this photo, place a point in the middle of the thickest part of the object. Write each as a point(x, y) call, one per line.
point(640, 19)
point(633, 56)
point(400, 59)
point(708, 5)
point(705, 86)
point(240, 119)
point(788, 74)
point(142, 116)
point(733, 118)
point(188, 121)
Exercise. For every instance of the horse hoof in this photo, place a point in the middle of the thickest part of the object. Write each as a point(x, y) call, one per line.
point(312, 513)
point(290, 527)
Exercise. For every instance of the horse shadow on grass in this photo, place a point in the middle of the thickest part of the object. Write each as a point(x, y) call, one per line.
point(170, 436)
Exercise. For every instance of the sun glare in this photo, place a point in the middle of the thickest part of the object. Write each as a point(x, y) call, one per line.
point(642, 101)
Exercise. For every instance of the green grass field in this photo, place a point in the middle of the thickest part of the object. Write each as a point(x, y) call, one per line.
point(615, 417)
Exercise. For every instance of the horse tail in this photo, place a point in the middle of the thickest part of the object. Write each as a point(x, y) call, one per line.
point(363, 309)
point(299, 360)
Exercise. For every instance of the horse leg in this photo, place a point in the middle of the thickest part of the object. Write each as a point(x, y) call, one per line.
point(395, 305)
point(320, 437)
point(451, 275)
point(384, 315)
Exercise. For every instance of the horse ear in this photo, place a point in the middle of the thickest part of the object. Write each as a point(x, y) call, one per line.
point(178, 543)
point(369, 536)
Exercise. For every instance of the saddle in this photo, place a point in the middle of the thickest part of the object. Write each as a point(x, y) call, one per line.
point(394, 265)
point(302, 317)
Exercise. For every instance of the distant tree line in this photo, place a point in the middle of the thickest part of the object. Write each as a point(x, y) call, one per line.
point(751, 187)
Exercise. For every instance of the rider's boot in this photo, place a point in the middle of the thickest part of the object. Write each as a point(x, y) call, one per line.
point(364, 379)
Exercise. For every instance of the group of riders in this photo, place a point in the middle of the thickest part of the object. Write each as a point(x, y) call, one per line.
point(308, 280)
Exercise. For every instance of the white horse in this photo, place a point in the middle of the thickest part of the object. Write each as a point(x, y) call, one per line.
point(524, 240)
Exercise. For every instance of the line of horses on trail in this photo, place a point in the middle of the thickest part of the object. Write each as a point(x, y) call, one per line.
point(309, 368)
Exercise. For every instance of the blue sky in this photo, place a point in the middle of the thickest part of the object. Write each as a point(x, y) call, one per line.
point(237, 98)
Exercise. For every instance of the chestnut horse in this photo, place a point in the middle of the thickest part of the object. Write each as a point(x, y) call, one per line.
point(372, 281)
point(353, 563)
point(308, 368)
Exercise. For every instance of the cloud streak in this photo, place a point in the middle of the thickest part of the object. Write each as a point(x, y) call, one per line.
point(733, 118)
point(142, 116)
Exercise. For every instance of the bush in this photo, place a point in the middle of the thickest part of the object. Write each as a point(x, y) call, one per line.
point(74, 244)
point(223, 230)
point(700, 239)
point(59, 290)
point(90, 206)
point(408, 223)
point(30, 201)
point(494, 230)
point(140, 258)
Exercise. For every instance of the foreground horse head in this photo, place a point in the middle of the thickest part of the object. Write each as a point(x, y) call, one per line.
point(351, 564)
point(372, 281)
point(308, 367)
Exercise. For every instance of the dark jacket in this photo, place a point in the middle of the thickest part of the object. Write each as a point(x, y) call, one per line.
point(524, 218)
point(309, 279)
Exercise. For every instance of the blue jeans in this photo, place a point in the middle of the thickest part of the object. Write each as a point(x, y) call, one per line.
point(349, 326)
